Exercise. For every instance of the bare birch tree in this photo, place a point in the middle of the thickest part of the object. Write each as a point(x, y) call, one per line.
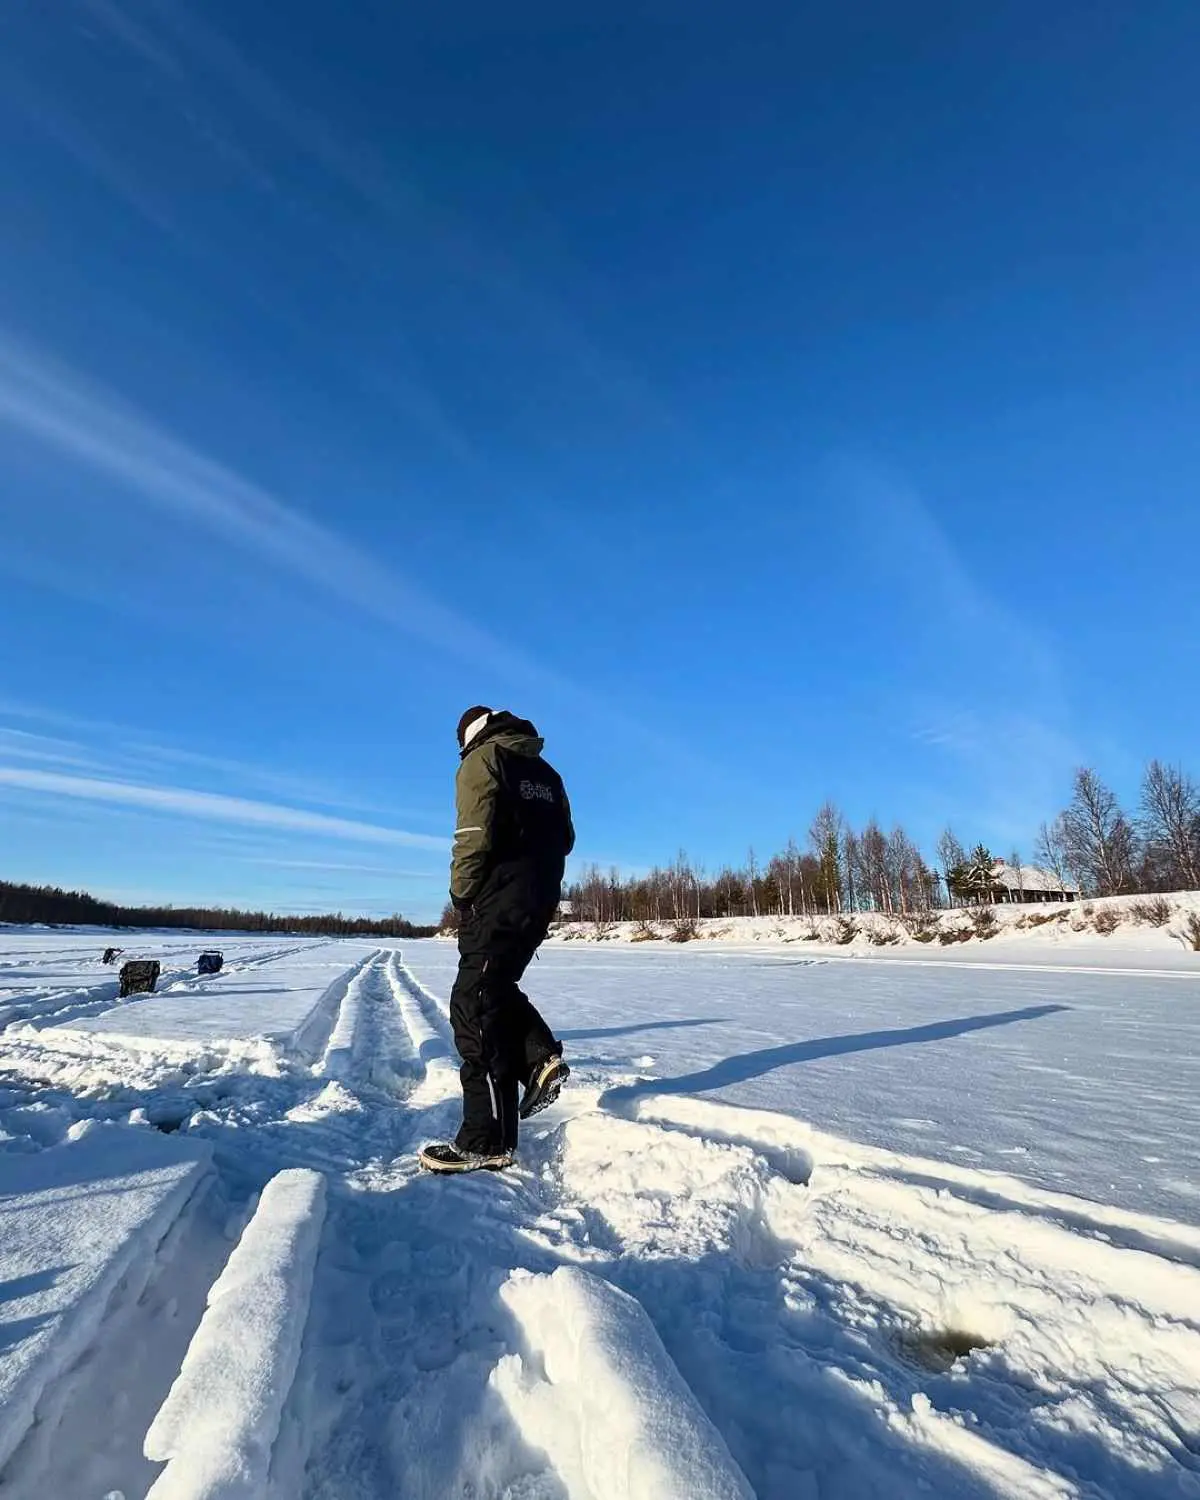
point(1050, 850)
point(1170, 824)
point(1099, 837)
point(951, 856)
point(1018, 870)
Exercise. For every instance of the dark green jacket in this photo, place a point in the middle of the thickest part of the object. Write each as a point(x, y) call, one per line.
point(512, 811)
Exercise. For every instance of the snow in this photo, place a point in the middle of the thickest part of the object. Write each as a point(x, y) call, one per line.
point(1039, 933)
point(269, 994)
point(216, 1429)
point(74, 1220)
point(837, 1297)
point(599, 1393)
point(341, 1060)
point(1026, 878)
point(806, 1227)
point(1082, 1079)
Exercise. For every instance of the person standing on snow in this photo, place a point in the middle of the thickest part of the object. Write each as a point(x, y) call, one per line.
point(512, 838)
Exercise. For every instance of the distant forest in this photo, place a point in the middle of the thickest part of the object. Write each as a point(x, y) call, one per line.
point(49, 904)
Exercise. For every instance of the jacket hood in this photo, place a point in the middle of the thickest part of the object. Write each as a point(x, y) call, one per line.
point(517, 734)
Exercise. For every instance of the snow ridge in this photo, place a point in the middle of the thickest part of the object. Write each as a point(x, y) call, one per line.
point(218, 1425)
point(601, 1396)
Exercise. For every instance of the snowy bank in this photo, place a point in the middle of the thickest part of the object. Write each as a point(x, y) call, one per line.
point(75, 1221)
point(603, 1399)
point(1150, 925)
point(218, 1425)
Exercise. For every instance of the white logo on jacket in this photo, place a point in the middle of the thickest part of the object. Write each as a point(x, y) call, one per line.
point(536, 791)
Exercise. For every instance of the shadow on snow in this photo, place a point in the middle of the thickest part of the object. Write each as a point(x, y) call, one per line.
point(596, 1032)
point(747, 1065)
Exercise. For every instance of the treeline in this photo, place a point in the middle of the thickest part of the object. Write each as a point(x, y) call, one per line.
point(1093, 846)
point(842, 869)
point(48, 904)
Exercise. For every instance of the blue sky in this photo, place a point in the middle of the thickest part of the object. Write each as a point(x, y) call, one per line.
point(774, 402)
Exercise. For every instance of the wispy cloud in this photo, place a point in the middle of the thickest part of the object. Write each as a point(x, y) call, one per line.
point(233, 104)
point(178, 42)
point(93, 427)
point(132, 32)
point(277, 783)
point(122, 752)
point(211, 806)
point(45, 750)
point(908, 544)
point(356, 869)
point(82, 422)
point(16, 708)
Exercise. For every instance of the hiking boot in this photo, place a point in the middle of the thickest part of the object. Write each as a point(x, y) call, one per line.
point(445, 1156)
point(544, 1087)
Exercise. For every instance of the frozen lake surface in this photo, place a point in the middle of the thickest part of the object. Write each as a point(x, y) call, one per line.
point(938, 1216)
point(1087, 1082)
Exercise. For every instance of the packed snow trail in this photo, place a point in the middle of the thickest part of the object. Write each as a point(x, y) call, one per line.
point(669, 1295)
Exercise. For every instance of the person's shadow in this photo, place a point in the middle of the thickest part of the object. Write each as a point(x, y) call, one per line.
point(596, 1032)
point(746, 1065)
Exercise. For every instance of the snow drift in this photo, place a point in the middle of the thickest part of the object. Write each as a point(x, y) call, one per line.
point(600, 1395)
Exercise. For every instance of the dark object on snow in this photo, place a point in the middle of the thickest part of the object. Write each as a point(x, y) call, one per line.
point(111, 955)
point(139, 976)
point(210, 963)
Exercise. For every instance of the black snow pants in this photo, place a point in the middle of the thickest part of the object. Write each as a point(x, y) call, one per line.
point(499, 1034)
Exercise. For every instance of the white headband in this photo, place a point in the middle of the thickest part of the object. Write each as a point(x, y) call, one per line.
point(474, 727)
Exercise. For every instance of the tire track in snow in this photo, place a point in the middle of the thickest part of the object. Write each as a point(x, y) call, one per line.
point(412, 1264)
point(426, 1275)
point(343, 1058)
point(86, 1439)
point(372, 1046)
point(418, 1405)
point(435, 1009)
point(429, 1034)
point(58, 1007)
point(311, 1037)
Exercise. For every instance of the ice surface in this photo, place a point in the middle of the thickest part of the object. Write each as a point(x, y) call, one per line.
point(917, 1229)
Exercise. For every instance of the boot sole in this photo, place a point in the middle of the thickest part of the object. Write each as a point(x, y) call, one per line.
point(446, 1169)
point(547, 1093)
